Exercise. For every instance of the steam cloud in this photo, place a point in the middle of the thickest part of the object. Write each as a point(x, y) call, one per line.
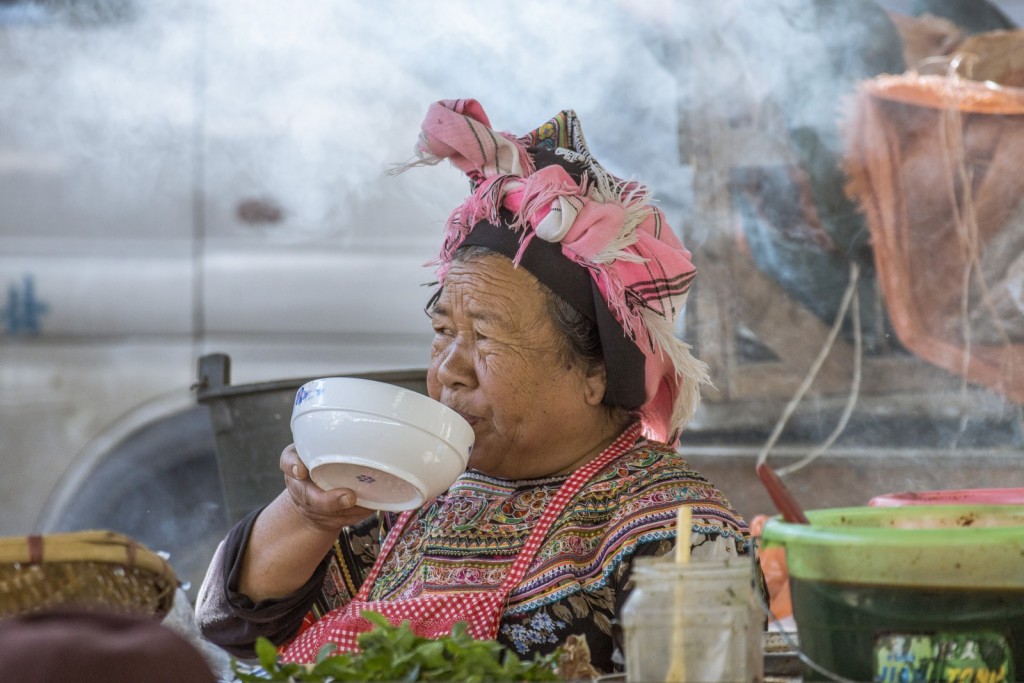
point(306, 106)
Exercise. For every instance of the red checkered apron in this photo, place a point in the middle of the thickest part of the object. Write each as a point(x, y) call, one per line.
point(433, 615)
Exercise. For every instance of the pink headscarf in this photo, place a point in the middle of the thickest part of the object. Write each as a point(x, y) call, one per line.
point(604, 224)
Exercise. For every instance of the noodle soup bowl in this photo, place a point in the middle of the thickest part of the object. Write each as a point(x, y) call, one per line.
point(394, 447)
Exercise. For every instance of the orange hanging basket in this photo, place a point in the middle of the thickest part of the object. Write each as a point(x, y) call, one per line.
point(936, 163)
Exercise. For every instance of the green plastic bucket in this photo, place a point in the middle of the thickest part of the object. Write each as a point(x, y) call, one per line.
point(913, 593)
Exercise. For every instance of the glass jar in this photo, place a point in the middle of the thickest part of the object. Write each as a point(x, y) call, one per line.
point(697, 621)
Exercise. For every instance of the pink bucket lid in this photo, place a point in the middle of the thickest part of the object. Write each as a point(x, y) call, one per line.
point(1011, 496)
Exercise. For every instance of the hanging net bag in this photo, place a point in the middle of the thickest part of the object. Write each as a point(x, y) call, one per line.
point(936, 163)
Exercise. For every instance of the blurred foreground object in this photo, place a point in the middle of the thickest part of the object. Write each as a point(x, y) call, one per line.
point(96, 647)
point(934, 162)
point(86, 570)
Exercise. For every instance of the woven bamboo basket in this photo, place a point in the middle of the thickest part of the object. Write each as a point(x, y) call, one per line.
point(100, 570)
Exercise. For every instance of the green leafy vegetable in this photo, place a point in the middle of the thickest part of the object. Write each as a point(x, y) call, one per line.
point(395, 653)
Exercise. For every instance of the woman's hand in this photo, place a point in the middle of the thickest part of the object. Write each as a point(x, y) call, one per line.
point(291, 536)
point(324, 510)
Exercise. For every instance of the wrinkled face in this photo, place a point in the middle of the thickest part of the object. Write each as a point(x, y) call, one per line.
point(497, 359)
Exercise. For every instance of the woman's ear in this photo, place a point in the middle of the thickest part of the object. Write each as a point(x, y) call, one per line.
point(595, 383)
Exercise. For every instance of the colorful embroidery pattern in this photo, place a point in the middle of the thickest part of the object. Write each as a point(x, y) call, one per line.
point(469, 537)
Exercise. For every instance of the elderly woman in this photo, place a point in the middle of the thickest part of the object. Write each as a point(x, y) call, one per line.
point(554, 320)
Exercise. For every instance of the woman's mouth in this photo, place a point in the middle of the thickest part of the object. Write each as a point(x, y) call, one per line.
point(471, 419)
point(468, 417)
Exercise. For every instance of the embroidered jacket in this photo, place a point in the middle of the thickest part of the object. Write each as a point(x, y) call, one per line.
point(467, 538)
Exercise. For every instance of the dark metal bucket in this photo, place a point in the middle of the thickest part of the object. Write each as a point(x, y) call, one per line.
point(251, 426)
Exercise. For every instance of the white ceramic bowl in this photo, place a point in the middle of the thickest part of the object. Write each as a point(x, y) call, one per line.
point(394, 447)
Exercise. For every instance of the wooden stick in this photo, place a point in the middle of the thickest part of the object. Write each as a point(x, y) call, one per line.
point(677, 667)
point(684, 521)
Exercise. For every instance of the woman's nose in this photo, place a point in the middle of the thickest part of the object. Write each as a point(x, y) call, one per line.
point(454, 364)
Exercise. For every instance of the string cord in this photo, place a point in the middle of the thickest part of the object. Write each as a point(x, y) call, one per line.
point(850, 296)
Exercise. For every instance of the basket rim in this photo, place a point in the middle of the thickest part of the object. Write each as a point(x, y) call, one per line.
point(94, 545)
point(945, 92)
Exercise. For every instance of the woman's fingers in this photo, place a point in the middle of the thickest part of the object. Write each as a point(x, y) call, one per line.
point(332, 509)
point(291, 463)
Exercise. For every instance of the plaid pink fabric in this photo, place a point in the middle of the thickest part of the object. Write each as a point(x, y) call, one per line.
point(604, 224)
